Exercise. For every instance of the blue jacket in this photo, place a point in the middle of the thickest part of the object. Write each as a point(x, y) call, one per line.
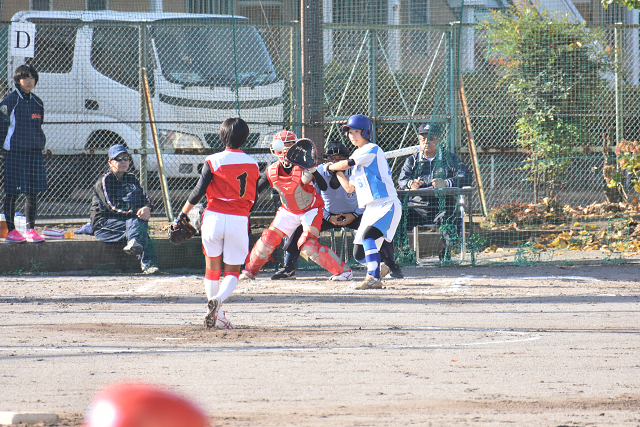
point(21, 116)
point(115, 198)
point(449, 167)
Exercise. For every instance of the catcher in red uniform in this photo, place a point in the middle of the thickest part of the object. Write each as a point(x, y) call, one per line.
point(301, 204)
point(229, 180)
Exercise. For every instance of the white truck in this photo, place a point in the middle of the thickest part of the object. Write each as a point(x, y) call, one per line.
point(202, 69)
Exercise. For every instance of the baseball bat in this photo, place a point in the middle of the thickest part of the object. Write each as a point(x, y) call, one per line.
point(406, 151)
point(154, 134)
point(472, 148)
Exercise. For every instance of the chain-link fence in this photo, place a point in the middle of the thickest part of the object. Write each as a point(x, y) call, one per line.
point(199, 72)
point(535, 119)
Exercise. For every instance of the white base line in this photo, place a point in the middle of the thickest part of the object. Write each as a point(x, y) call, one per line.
point(548, 278)
point(88, 350)
point(458, 283)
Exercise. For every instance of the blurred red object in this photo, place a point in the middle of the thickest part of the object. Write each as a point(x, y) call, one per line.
point(142, 405)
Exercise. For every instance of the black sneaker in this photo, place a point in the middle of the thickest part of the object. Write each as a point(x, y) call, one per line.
point(396, 272)
point(284, 273)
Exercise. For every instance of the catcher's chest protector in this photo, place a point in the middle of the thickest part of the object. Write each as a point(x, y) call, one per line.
point(295, 196)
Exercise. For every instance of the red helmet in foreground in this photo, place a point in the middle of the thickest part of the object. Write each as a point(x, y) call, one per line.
point(141, 405)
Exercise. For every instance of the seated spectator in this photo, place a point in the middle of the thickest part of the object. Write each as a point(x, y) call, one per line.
point(433, 167)
point(120, 210)
point(340, 210)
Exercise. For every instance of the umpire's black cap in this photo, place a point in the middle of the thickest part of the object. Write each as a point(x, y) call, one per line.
point(431, 129)
point(335, 148)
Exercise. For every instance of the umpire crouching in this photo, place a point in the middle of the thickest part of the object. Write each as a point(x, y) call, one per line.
point(120, 210)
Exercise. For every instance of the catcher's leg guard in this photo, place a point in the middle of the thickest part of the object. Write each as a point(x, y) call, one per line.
point(320, 254)
point(262, 250)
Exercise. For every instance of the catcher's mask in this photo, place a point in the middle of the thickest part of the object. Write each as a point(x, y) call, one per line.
point(278, 148)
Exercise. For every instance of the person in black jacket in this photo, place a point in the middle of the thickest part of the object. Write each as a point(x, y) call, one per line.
point(120, 210)
point(429, 168)
point(21, 116)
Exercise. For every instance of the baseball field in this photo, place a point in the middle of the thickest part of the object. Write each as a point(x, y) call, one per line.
point(518, 346)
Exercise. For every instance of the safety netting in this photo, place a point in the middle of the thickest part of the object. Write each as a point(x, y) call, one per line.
point(532, 109)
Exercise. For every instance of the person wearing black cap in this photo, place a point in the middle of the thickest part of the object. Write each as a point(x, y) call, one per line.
point(433, 167)
point(340, 210)
point(120, 210)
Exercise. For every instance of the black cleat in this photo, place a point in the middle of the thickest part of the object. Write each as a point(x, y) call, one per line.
point(212, 316)
point(396, 272)
point(284, 273)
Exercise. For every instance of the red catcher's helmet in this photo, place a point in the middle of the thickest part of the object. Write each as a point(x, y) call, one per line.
point(141, 405)
point(277, 145)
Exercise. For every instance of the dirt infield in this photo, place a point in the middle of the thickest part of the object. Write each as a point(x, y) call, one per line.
point(546, 346)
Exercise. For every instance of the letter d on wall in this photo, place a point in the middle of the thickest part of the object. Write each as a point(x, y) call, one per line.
point(22, 39)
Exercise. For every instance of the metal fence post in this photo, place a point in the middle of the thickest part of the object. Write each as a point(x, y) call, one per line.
point(311, 17)
point(296, 83)
point(453, 115)
point(618, 31)
point(142, 63)
point(372, 83)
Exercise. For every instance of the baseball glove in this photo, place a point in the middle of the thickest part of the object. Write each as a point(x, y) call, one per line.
point(181, 230)
point(303, 153)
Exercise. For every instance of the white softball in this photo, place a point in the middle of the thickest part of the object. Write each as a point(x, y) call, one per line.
point(277, 145)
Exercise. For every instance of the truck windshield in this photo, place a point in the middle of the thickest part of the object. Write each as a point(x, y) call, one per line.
point(204, 56)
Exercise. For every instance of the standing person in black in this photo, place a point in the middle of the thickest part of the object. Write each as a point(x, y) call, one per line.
point(120, 210)
point(21, 116)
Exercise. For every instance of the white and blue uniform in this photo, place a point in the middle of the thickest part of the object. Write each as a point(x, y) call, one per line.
point(371, 177)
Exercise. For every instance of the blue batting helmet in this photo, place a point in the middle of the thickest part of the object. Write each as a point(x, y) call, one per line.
point(359, 122)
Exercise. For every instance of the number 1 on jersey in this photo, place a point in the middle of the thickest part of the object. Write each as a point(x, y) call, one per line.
point(243, 183)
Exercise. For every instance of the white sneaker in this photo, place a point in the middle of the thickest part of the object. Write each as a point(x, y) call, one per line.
point(222, 322)
point(343, 277)
point(384, 270)
point(246, 275)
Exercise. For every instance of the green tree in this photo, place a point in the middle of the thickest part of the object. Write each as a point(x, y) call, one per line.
point(629, 4)
point(554, 70)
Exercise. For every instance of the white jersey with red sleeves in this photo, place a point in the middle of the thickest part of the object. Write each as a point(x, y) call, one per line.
point(233, 187)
